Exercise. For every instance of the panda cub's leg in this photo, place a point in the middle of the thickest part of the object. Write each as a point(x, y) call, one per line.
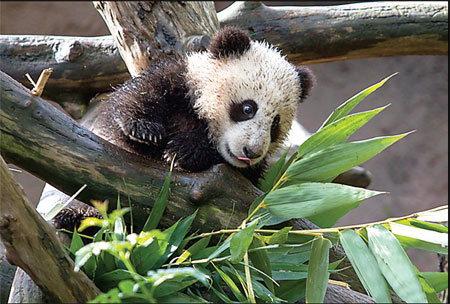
point(148, 129)
point(190, 146)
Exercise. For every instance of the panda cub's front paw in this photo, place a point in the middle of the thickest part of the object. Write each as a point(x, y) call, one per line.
point(143, 131)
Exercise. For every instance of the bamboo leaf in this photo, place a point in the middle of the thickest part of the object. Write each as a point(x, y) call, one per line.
point(194, 249)
point(336, 132)
point(308, 199)
point(365, 266)
point(438, 215)
point(241, 241)
point(260, 259)
point(227, 279)
point(176, 238)
point(76, 242)
point(317, 281)
point(347, 106)
point(420, 234)
point(395, 265)
point(159, 206)
point(291, 291)
point(328, 163)
point(279, 237)
point(274, 173)
point(437, 280)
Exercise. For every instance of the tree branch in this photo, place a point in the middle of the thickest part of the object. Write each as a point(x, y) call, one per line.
point(46, 142)
point(36, 249)
point(82, 66)
point(144, 31)
point(329, 33)
point(85, 66)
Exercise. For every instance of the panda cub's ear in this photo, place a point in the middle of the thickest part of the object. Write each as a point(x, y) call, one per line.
point(229, 41)
point(307, 81)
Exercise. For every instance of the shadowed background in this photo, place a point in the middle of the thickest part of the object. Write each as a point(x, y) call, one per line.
point(414, 171)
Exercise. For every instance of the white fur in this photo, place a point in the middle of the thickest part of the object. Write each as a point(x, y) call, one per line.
point(260, 74)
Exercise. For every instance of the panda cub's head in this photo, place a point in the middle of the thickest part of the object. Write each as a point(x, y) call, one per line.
point(248, 94)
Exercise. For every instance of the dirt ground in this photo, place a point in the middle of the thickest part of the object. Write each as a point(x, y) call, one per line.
point(414, 171)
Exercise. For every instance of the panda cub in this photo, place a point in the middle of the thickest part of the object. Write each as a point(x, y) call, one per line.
point(231, 104)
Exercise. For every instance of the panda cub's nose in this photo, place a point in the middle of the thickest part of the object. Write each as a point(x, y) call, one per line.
point(249, 153)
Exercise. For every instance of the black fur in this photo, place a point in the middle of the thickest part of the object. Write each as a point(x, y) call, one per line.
point(307, 81)
point(230, 41)
point(72, 215)
point(153, 116)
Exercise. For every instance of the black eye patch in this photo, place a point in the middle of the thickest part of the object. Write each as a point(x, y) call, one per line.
point(243, 111)
point(275, 129)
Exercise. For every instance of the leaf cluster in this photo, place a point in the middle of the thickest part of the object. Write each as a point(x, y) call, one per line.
point(253, 264)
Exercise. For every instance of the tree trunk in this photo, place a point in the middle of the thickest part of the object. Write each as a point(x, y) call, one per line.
point(144, 31)
point(85, 66)
point(36, 249)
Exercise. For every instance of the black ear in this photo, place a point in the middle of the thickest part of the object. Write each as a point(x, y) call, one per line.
point(229, 41)
point(307, 81)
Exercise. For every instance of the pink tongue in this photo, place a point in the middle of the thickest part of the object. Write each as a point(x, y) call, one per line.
point(247, 160)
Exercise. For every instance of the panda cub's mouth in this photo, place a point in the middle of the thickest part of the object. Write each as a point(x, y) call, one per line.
point(246, 160)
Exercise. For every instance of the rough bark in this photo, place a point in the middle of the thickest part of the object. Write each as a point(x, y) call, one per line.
point(46, 142)
point(144, 31)
point(36, 249)
point(330, 33)
point(84, 66)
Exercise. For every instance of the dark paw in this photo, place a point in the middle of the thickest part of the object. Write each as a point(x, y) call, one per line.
point(145, 131)
point(191, 155)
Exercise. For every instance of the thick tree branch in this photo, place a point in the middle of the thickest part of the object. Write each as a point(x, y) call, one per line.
point(84, 66)
point(144, 31)
point(36, 249)
point(330, 33)
point(44, 141)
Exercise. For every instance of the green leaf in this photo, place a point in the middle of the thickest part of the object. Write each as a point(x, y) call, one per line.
point(424, 225)
point(291, 291)
point(428, 289)
point(279, 237)
point(260, 259)
point(193, 250)
point(317, 280)
point(437, 280)
point(92, 221)
point(395, 264)
point(347, 106)
point(337, 132)
point(76, 242)
point(176, 238)
point(328, 163)
point(224, 246)
point(438, 215)
point(159, 206)
point(150, 248)
point(178, 297)
point(241, 241)
point(308, 199)
point(272, 176)
point(227, 279)
point(113, 278)
point(420, 234)
point(365, 266)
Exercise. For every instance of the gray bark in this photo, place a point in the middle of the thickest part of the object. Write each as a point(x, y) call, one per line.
point(32, 245)
point(329, 33)
point(85, 66)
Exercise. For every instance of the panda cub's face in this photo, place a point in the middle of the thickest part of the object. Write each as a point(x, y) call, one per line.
point(248, 94)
